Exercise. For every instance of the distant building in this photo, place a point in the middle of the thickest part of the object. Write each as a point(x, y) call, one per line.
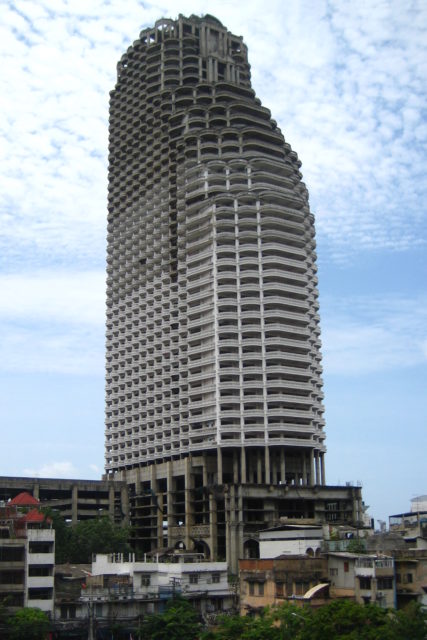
point(291, 539)
point(265, 582)
point(27, 555)
point(120, 588)
point(364, 578)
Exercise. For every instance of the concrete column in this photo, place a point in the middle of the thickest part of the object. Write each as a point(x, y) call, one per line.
point(304, 468)
point(312, 467)
point(188, 511)
point(316, 459)
point(36, 491)
point(219, 467)
point(213, 528)
point(205, 469)
point(243, 465)
point(282, 465)
point(322, 468)
point(259, 467)
point(169, 488)
point(111, 496)
point(267, 464)
point(124, 499)
point(74, 504)
point(160, 520)
point(235, 467)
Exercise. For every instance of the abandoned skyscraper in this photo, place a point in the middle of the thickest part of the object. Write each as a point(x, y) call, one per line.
point(214, 391)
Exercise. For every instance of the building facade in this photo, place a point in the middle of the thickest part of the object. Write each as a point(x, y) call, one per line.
point(214, 412)
point(27, 555)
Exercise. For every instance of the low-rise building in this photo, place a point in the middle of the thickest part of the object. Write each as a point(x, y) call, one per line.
point(272, 581)
point(27, 555)
point(364, 578)
point(119, 589)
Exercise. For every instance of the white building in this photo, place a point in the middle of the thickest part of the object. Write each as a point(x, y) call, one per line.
point(27, 555)
point(290, 539)
point(127, 589)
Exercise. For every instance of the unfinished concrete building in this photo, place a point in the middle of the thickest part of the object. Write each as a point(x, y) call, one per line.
point(214, 390)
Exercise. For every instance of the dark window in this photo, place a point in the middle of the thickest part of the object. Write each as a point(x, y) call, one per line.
point(346, 567)
point(216, 577)
point(364, 582)
point(260, 588)
point(251, 588)
point(194, 578)
point(40, 547)
point(385, 583)
point(279, 589)
point(35, 570)
point(409, 578)
point(68, 611)
point(301, 588)
point(41, 593)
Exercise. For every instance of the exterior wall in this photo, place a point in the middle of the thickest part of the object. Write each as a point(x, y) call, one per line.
point(411, 575)
point(129, 589)
point(26, 566)
point(275, 543)
point(13, 571)
point(40, 588)
point(362, 577)
point(267, 582)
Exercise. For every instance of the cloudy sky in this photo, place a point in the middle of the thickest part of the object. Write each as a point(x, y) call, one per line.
point(347, 83)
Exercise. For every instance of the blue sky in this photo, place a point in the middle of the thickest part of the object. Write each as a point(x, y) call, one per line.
point(346, 82)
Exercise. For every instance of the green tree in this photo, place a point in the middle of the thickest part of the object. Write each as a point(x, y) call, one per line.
point(179, 622)
point(409, 623)
point(77, 543)
point(28, 624)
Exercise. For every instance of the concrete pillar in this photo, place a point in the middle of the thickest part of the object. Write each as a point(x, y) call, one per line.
point(267, 464)
point(243, 465)
point(169, 489)
point(213, 528)
point(322, 468)
point(205, 470)
point(111, 496)
point(316, 458)
point(235, 467)
point(124, 500)
point(304, 468)
point(188, 497)
point(312, 467)
point(219, 467)
point(282, 466)
point(36, 491)
point(160, 520)
point(74, 504)
point(259, 467)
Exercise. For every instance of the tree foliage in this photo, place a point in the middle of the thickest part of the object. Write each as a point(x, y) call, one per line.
point(77, 543)
point(28, 624)
point(338, 620)
point(179, 622)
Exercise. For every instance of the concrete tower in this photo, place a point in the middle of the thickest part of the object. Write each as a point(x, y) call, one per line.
point(213, 361)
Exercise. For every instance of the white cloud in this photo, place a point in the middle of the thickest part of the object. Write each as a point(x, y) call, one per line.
point(67, 297)
point(344, 80)
point(54, 470)
point(372, 334)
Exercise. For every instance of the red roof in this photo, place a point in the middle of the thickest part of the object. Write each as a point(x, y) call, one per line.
point(34, 516)
point(23, 499)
